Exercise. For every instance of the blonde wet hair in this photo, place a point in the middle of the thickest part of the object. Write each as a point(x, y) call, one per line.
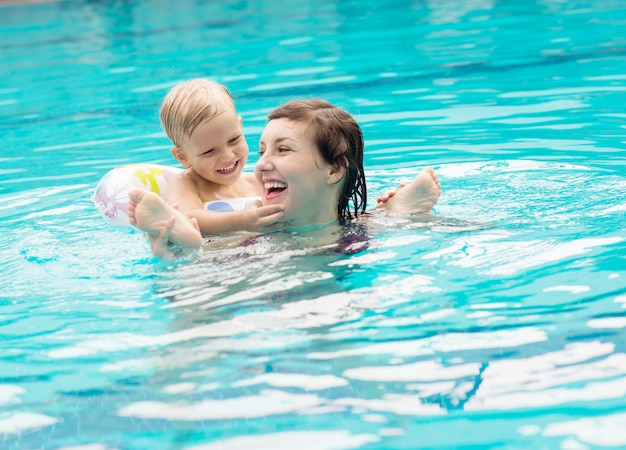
point(190, 104)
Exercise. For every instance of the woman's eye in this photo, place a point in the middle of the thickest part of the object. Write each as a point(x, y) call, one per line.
point(283, 149)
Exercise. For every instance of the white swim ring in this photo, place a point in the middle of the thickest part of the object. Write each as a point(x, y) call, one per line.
point(111, 193)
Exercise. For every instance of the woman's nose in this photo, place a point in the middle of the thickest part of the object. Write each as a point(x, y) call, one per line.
point(264, 163)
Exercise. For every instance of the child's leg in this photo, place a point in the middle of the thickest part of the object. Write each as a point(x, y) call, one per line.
point(150, 213)
point(420, 195)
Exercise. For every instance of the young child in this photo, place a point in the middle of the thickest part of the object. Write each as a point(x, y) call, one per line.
point(199, 117)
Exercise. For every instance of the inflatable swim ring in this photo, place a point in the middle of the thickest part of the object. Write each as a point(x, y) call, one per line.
point(111, 193)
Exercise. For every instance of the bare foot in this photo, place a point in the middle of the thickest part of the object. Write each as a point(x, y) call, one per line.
point(420, 195)
point(150, 213)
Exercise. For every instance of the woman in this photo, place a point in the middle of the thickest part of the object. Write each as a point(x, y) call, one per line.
point(311, 164)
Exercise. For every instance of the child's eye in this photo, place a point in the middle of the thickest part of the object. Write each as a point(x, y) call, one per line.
point(208, 152)
point(235, 139)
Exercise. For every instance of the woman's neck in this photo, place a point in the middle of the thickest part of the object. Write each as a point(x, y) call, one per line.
point(312, 228)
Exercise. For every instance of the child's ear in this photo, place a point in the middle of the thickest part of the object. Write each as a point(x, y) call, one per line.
point(240, 121)
point(180, 157)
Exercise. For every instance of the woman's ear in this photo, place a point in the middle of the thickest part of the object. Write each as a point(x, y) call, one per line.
point(336, 174)
point(180, 157)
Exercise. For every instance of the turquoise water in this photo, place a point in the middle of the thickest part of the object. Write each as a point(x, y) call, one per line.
point(499, 324)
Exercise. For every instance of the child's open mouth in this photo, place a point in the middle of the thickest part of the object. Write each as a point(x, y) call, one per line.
point(229, 169)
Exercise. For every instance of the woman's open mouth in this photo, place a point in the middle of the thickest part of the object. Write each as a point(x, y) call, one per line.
point(273, 189)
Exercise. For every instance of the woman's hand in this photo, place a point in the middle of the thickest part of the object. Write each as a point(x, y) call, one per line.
point(160, 242)
point(387, 195)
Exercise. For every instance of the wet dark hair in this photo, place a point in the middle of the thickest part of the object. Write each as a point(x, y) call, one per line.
point(339, 139)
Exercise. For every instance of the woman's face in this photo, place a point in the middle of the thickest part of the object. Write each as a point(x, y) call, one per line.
point(294, 175)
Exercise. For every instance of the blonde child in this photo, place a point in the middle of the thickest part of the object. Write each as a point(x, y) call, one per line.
point(200, 119)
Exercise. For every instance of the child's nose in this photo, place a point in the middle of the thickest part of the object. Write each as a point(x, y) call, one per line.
point(228, 154)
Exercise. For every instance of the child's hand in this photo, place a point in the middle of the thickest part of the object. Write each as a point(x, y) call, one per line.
point(263, 218)
point(387, 195)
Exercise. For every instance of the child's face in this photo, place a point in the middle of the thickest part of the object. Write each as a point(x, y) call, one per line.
point(217, 149)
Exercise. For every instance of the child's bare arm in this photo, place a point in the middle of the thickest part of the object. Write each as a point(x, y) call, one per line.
point(183, 192)
point(253, 218)
point(256, 218)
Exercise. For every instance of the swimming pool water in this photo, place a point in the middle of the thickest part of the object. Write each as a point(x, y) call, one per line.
point(498, 324)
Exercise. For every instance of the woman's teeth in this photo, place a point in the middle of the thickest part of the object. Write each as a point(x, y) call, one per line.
point(275, 185)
